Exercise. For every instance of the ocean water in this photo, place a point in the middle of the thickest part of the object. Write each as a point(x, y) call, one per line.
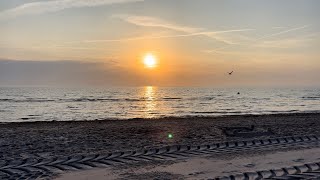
point(70, 104)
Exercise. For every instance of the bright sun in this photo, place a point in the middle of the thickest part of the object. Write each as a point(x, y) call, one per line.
point(150, 61)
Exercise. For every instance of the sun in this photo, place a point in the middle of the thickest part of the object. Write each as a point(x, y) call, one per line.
point(150, 61)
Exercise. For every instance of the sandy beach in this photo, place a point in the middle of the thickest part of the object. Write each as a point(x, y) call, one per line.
point(43, 140)
point(56, 139)
point(159, 90)
point(202, 167)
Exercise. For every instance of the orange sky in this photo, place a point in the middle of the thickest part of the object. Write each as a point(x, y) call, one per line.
point(269, 43)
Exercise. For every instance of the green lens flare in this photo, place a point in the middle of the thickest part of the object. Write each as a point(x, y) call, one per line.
point(170, 136)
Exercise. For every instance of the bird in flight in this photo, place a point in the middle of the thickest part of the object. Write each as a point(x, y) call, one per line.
point(230, 73)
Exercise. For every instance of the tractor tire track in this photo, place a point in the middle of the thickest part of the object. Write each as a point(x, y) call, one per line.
point(46, 168)
point(305, 171)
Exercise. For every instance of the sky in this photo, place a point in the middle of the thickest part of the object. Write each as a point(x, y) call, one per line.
point(103, 42)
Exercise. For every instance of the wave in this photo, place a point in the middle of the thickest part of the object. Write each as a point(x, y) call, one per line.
point(288, 111)
point(26, 100)
point(90, 100)
point(311, 97)
point(171, 98)
point(5, 99)
point(133, 99)
point(206, 98)
point(244, 112)
point(218, 112)
point(202, 100)
point(34, 118)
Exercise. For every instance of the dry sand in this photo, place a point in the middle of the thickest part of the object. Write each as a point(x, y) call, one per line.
point(201, 167)
point(59, 139)
point(55, 139)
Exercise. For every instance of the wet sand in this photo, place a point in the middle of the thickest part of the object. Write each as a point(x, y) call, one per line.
point(59, 139)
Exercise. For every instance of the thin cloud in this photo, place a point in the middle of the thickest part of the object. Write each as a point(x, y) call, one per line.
point(217, 51)
point(206, 33)
point(147, 21)
point(287, 43)
point(282, 32)
point(55, 5)
point(293, 42)
point(278, 27)
point(155, 22)
point(284, 43)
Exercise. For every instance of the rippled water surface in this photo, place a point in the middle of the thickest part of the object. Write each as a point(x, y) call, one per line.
point(47, 104)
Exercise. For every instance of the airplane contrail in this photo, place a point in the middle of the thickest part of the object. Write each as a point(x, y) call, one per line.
point(263, 37)
point(205, 33)
point(282, 32)
point(41, 7)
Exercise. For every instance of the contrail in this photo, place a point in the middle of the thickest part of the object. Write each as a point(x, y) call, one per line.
point(41, 7)
point(205, 33)
point(263, 37)
point(282, 32)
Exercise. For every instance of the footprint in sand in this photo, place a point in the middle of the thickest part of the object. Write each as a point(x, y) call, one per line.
point(231, 172)
point(196, 173)
point(298, 160)
point(249, 165)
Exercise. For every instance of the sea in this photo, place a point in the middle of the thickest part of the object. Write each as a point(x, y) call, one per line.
point(21, 104)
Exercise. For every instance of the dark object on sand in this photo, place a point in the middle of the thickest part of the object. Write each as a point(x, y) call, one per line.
point(230, 73)
point(238, 93)
point(246, 132)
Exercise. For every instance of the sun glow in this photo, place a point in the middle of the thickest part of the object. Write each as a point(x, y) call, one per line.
point(150, 61)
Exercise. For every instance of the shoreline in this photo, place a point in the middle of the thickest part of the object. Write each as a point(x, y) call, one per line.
point(187, 117)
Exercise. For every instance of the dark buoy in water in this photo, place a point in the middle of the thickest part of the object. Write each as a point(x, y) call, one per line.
point(238, 93)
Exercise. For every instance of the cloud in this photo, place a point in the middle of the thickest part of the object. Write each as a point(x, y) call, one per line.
point(284, 43)
point(186, 31)
point(282, 32)
point(62, 72)
point(292, 42)
point(54, 6)
point(212, 34)
point(79, 73)
point(279, 43)
point(155, 22)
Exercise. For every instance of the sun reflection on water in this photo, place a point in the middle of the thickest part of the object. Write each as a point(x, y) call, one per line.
point(150, 103)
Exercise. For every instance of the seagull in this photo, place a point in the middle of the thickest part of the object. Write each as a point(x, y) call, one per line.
point(230, 73)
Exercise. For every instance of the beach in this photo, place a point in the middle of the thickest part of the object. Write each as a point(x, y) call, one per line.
point(159, 90)
point(203, 167)
point(44, 140)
